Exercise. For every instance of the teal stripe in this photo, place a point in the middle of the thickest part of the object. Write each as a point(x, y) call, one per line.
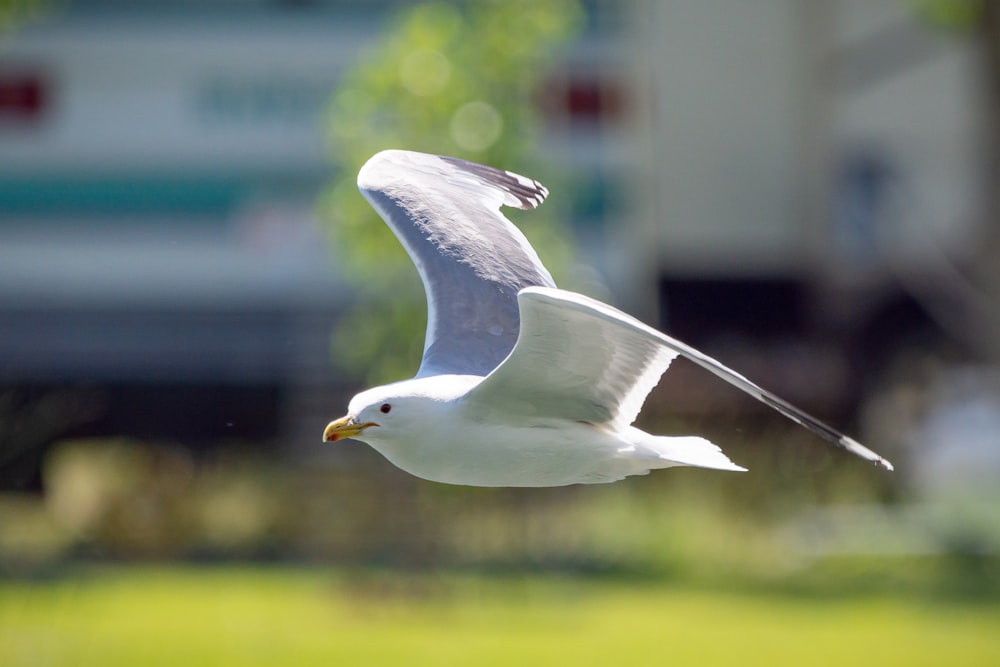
point(118, 196)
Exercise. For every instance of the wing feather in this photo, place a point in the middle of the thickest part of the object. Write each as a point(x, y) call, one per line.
point(574, 362)
point(471, 259)
point(581, 359)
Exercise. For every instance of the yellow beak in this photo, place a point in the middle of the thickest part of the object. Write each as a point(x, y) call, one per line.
point(345, 427)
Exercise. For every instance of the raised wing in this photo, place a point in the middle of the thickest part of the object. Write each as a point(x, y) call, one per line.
point(472, 260)
point(580, 359)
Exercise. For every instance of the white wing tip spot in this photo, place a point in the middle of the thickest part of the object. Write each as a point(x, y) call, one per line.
point(855, 447)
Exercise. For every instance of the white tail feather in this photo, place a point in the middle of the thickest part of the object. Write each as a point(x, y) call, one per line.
point(686, 451)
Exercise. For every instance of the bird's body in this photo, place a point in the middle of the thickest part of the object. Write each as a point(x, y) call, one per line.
point(538, 450)
point(521, 383)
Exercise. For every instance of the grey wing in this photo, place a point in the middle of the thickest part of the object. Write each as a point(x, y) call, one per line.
point(560, 367)
point(472, 260)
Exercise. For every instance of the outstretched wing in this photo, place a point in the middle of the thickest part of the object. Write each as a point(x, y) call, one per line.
point(580, 359)
point(472, 260)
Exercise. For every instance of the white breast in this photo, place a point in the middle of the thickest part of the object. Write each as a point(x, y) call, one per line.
point(478, 454)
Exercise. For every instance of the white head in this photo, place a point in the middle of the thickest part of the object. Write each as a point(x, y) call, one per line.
point(397, 411)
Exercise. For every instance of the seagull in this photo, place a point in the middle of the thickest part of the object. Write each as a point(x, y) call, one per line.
point(521, 383)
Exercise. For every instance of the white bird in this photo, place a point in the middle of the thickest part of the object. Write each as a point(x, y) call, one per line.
point(521, 383)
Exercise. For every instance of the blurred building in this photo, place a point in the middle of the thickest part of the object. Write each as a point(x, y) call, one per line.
point(778, 181)
point(158, 245)
point(814, 181)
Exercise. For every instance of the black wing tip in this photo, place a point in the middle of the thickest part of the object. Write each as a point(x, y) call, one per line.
point(519, 191)
point(816, 426)
point(525, 193)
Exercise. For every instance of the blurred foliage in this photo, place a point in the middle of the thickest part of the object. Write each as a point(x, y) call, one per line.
point(127, 499)
point(453, 79)
point(949, 14)
point(134, 501)
point(29, 420)
point(15, 13)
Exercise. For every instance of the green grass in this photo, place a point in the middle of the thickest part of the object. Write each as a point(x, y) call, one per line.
point(286, 616)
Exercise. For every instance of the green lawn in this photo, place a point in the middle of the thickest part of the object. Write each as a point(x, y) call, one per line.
point(285, 616)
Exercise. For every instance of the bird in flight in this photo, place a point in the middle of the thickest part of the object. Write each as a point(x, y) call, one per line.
point(521, 383)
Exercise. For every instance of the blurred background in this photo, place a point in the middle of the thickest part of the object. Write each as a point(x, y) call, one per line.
point(191, 287)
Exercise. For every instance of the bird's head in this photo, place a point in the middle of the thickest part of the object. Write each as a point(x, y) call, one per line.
point(398, 411)
point(372, 409)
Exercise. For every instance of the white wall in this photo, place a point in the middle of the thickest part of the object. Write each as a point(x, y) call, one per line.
point(750, 110)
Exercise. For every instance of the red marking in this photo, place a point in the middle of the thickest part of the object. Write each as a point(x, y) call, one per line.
point(22, 96)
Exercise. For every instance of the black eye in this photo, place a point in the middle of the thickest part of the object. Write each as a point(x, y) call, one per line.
point(385, 408)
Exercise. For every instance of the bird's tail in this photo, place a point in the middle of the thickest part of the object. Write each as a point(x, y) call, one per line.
point(684, 451)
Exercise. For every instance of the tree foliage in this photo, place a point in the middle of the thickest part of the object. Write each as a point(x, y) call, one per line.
point(15, 13)
point(454, 79)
